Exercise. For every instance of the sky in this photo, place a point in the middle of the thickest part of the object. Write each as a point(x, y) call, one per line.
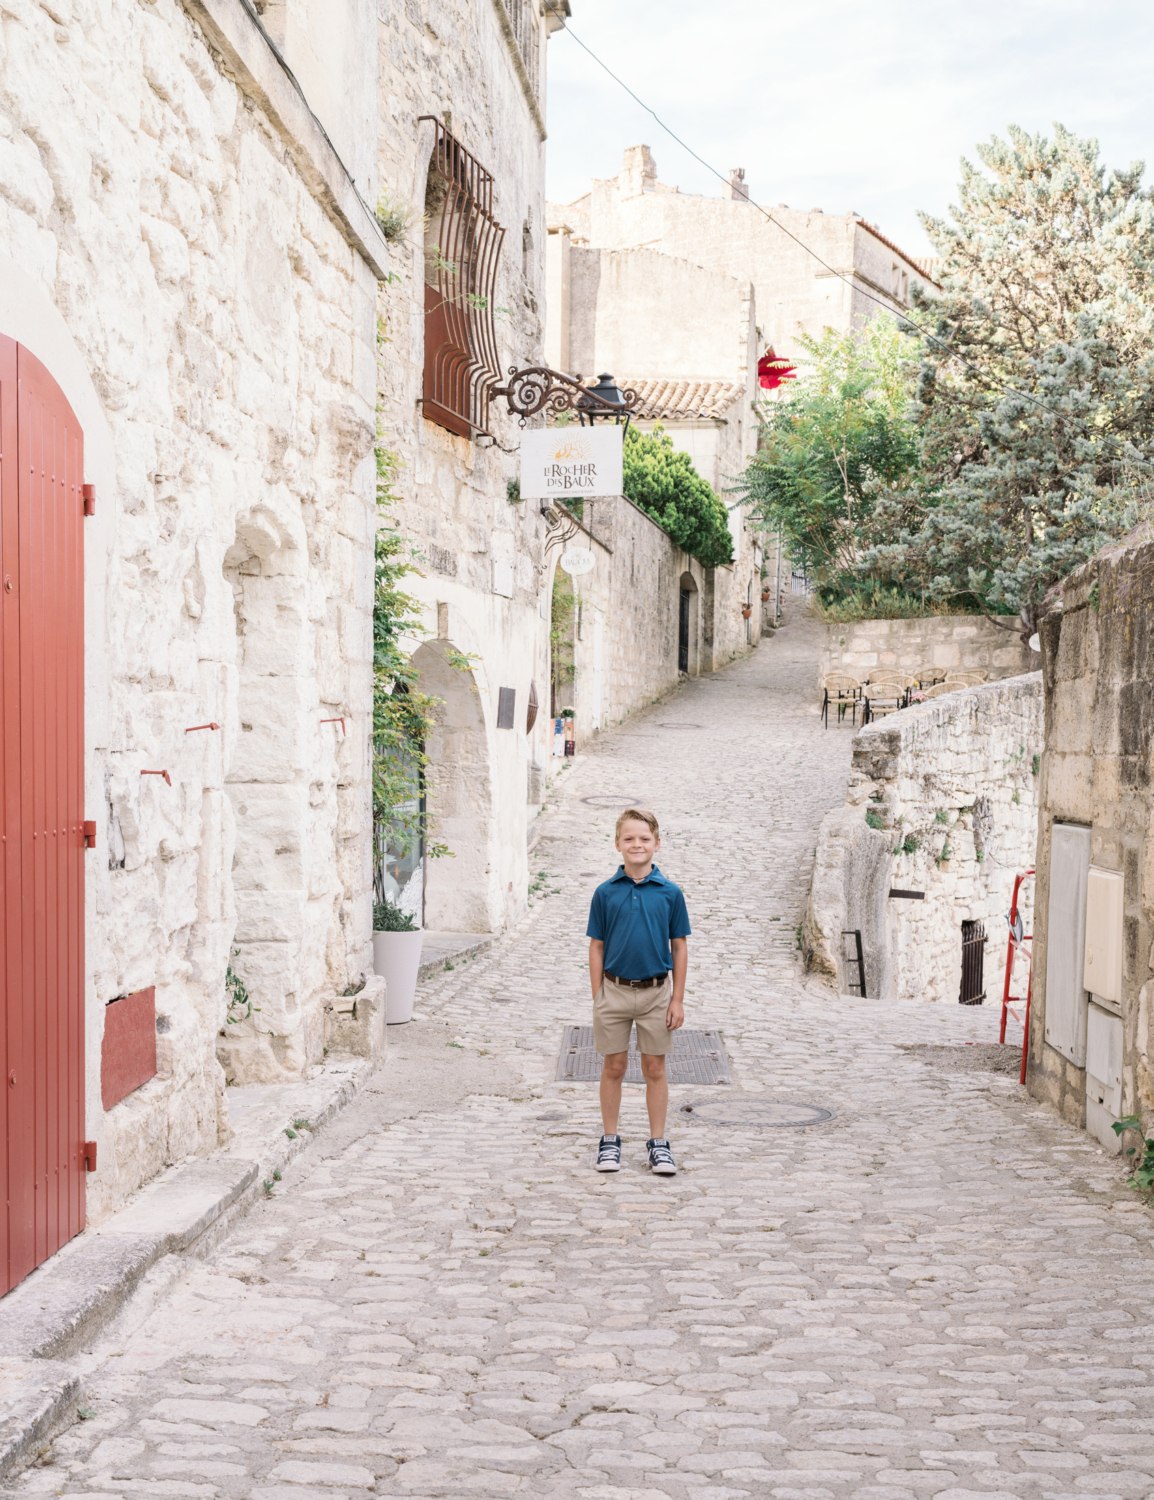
point(843, 106)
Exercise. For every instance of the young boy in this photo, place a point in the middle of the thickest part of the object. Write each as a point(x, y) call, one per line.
point(638, 925)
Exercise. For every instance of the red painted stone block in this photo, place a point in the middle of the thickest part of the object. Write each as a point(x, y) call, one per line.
point(128, 1056)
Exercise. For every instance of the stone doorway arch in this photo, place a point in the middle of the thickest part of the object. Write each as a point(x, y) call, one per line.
point(281, 785)
point(688, 626)
point(460, 894)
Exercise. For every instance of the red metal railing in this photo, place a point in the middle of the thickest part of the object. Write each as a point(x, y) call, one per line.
point(1017, 939)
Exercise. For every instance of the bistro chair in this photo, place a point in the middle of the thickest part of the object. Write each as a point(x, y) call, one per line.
point(930, 676)
point(938, 690)
point(844, 692)
point(885, 680)
point(883, 696)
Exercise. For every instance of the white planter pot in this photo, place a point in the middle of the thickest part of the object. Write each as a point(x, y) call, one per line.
point(396, 958)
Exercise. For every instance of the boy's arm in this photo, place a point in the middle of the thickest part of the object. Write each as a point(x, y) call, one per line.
point(675, 1015)
point(596, 963)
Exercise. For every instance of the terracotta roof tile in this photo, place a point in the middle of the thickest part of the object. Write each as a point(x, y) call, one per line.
point(682, 399)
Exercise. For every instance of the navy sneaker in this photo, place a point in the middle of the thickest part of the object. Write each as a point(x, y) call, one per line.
point(609, 1154)
point(661, 1158)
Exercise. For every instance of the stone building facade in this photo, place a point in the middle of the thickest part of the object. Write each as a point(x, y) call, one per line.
point(853, 269)
point(1091, 1034)
point(188, 250)
point(474, 76)
point(942, 805)
point(696, 372)
point(646, 614)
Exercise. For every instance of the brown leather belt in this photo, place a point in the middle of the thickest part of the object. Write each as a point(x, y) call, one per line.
point(637, 984)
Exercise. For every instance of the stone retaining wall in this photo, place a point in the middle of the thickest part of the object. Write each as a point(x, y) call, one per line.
point(961, 642)
point(942, 800)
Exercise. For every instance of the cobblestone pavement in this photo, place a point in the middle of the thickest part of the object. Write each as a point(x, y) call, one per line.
point(943, 1292)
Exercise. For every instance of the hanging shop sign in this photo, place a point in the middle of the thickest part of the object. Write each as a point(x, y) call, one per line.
point(571, 463)
point(577, 560)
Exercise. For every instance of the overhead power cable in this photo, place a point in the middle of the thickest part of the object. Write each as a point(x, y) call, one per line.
point(987, 380)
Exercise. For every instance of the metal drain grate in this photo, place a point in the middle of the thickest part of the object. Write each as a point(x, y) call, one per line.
point(760, 1114)
point(697, 1057)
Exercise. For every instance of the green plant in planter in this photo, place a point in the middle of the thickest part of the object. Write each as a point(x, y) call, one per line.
point(390, 918)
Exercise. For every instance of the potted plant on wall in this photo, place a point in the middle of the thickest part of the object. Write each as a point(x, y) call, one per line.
point(396, 957)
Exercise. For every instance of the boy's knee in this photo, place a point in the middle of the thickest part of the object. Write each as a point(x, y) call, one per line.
point(615, 1065)
point(653, 1066)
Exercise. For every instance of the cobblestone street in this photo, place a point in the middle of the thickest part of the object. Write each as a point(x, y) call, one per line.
point(941, 1292)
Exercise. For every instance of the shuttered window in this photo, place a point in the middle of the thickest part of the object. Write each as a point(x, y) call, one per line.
point(462, 248)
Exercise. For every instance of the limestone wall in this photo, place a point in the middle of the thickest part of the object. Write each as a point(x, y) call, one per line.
point(481, 580)
point(186, 253)
point(951, 641)
point(731, 237)
point(619, 315)
point(942, 800)
point(626, 625)
point(1098, 668)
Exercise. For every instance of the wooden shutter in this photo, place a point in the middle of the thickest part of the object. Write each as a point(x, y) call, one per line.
point(42, 808)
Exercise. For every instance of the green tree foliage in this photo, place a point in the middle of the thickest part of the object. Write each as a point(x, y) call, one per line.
point(664, 483)
point(840, 439)
point(1035, 399)
point(402, 716)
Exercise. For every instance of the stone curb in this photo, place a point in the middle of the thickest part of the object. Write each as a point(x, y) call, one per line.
point(62, 1305)
point(436, 964)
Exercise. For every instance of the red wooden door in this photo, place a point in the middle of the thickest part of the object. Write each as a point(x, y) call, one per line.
point(42, 812)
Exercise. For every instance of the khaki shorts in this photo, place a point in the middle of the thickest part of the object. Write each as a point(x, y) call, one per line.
point(617, 1008)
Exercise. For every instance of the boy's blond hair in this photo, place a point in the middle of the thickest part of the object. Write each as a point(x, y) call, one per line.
point(636, 815)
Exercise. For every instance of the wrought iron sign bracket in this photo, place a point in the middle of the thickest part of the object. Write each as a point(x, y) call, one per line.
point(538, 389)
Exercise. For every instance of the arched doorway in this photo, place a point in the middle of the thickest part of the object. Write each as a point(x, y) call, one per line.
point(687, 626)
point(459, 891)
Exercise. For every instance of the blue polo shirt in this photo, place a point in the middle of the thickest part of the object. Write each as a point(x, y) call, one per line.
point(635, 921)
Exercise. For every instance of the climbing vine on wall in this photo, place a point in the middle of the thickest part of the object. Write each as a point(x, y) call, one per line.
point(402, 716)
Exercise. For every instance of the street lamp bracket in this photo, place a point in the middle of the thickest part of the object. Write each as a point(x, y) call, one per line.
point(538, 389)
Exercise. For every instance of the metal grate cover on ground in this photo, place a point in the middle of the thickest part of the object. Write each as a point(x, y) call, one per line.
point(697, 1057)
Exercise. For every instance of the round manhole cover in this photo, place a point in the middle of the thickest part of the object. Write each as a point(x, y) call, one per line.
point(683, 726)
point(610, 800)
point(761, 1114)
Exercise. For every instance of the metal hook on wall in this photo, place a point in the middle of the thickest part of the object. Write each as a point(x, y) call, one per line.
point(340, 720)
point(194, 727)
point(165, 774)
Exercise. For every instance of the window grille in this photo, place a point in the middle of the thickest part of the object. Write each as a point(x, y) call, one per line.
point(523, 22)
point(462, 247)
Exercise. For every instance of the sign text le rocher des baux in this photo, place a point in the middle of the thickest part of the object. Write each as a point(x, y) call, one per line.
point(571, 463)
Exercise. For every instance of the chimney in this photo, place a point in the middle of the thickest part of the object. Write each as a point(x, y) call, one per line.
point(638, 172)
point(738, 188)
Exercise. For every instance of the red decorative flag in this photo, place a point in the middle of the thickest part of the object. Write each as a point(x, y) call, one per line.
point(771, 371)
